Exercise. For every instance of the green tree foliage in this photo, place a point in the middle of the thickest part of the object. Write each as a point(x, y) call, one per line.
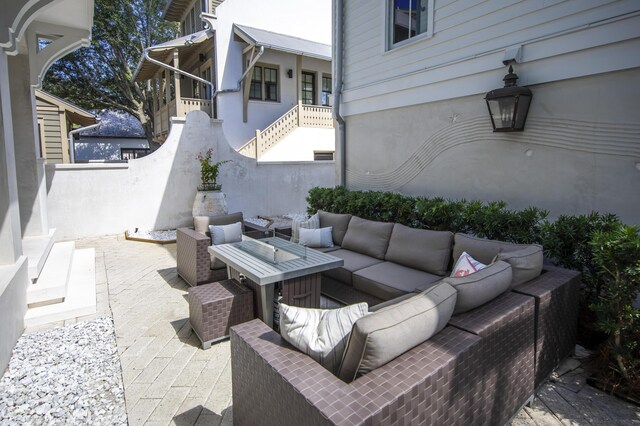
point(100, 76)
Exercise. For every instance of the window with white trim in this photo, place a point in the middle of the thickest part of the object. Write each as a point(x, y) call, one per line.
point(264, 83)
point(408, 19)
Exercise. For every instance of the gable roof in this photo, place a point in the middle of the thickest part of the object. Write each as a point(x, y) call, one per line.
point(76, 114)
point(283, 42)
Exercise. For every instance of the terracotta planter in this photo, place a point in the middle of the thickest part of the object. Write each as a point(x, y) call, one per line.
point(210, 203)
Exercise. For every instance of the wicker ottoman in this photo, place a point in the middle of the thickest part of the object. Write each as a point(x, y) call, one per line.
point(215, 307)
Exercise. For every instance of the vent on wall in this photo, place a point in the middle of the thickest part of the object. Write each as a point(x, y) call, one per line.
point(322, 155)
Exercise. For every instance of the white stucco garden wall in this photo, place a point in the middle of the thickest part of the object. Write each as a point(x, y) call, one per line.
point(157, 191)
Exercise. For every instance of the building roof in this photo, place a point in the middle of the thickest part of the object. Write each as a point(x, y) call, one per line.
point(116, 124)
point(76, 114)
point(146, 70)
point(283, 42)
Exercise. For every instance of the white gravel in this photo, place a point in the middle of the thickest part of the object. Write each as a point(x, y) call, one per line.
point(67, 375)
point(168, 235)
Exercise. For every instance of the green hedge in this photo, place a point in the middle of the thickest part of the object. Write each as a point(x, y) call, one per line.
point(489, 220)
point(593, 244)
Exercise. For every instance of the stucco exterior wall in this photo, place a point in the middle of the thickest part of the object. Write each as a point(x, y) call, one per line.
point(157, 191)
point(580, 150)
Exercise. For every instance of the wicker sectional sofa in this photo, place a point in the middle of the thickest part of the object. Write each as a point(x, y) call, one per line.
point(480, 369)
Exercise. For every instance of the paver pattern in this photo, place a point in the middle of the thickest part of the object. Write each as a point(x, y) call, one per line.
point(168, 379)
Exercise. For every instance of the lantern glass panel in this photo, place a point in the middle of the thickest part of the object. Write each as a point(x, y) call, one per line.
point(502, 110)
point(523, 108)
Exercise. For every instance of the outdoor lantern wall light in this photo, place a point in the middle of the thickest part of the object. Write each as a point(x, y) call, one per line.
point(508, 106)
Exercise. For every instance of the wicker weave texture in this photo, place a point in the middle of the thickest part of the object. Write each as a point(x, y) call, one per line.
point(193, 259)
point(215, 307)
point(437, 382)
point(556, 294)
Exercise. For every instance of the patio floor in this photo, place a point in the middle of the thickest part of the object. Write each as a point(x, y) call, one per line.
point(168, 379)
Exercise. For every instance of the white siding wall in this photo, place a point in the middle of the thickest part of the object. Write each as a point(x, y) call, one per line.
point(560, 40)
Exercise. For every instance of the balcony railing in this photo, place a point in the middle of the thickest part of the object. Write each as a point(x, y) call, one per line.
point(178, 108)
point(298, 116)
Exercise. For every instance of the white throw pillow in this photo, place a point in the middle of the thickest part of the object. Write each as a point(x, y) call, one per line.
point(320, 333)
point(321, 237)
point(466, 265)
point(224, 234)
point(295, 226)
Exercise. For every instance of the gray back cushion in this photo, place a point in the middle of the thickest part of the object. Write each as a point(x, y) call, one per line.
point(428, 251)
point(201, 223)
point(339, 223)
point(367, 237)
point(525, 259)
point(391, 331)
point(480, 287)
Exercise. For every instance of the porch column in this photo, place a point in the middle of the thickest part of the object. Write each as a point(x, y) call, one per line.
point(299, 78)
point(180, 111)
point(10, 233)
point(32, 194)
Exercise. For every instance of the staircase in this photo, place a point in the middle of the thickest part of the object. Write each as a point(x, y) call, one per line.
point(300, 115)
point(63, 280)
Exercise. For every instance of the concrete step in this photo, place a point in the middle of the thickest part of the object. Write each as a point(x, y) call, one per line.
point(52, 283)
point(37, 250)
point(81, 294)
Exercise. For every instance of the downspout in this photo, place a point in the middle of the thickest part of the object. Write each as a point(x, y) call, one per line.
point(72, 147)
point(214, 92)
point(337, 89)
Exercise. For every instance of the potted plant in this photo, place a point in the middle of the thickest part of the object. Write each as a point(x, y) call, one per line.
point(209, 199)
point(209, 172)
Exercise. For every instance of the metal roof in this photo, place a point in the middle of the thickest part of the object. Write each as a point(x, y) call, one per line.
point(146, 70)
point(283, 42)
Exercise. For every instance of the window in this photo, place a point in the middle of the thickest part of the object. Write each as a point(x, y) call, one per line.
point(132, 153)
point(409, 18)
point(308, 88)
point(264, 84)
point(255, 90)
point(195, 89)
point(326, 90)
point(206, 89)
point(192, 20)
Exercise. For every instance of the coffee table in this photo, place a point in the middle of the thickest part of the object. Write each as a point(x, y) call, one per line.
point(260, 264)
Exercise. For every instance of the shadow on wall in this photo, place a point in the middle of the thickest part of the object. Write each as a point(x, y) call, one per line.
point(157, 191)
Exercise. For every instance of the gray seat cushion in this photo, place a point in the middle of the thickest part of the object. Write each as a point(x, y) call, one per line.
point(480, 287)
point(339, 222)
point(422, 249)
point(388, 280)
point(352, 262)
point(525, 259)
point(389, 332)
point(201, 223)
point(367, 237)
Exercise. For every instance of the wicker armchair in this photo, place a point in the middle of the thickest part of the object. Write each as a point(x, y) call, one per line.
point(193, 258)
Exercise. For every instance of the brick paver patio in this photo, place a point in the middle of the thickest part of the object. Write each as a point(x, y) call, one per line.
point(168, 379)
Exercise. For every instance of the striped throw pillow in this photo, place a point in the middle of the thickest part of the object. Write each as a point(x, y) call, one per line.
point(320, 333)
point(312, 223)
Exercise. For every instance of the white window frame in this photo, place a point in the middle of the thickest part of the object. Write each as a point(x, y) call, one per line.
point(390, 45)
